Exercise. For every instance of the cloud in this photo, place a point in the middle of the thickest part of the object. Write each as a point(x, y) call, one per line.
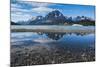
point(19, 10)
point(38, 7)
point(15, 5)
point(20, 17)
point(42, 9)
point(19, 14)
point(36, 4)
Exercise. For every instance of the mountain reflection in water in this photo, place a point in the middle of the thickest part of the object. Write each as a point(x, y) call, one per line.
point(54, 36)
point(22, 38)
point(57, 36)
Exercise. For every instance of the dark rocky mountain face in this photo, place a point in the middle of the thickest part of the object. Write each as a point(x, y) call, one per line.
point(55, 17)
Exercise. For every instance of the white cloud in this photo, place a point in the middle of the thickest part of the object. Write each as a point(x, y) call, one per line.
point(36, 4)
point(20, 17)
point(18, 14)
point(35, 10)
point(15, 5)
point(17, 8)
point(42, 10)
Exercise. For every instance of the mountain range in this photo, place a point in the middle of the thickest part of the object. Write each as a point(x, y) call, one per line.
point(56, 18)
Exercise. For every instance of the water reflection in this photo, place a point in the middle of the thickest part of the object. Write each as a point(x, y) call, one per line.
point(54, 36)
point(59, 39)
point(57, 36)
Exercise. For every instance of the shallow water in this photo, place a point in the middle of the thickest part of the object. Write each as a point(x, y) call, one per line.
point(58, 27)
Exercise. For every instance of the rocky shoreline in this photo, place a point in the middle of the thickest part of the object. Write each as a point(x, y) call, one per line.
point(41, 54)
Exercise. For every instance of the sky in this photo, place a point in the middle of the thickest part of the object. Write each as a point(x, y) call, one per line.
point(25, 10)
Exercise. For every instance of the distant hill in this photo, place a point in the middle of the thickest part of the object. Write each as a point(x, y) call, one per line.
point(86, 22)
point(13, 23)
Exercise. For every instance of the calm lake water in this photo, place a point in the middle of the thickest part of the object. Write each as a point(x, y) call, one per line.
point(61, 39)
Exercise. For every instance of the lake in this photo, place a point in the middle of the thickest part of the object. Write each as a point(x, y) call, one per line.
point(73, 38)
point(52, 47)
